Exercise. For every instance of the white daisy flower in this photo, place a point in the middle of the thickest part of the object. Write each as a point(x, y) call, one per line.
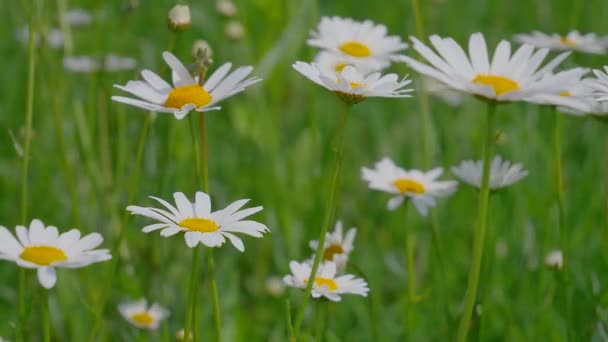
point(502, 173)
point(570, 82)
point(364, 41)
point(506, 78)
point(351, 85)
point(337, 63)
point(44, 249)
point(155, 94)
point(326, 284)
point(140, 315)
point(199, 223)
point(421, 187)
point(337, 246)
point(555, 259)
point(588, 43)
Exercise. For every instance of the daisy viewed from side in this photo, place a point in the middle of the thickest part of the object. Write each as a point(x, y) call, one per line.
point(421, 187)
point(352, 86)
point(365, 41)
point(199, 224)
point(155, 94)
point(568, 96)
point(140, 315)
point(338, 62)
point(337, 245)
point(588, 43)
point(44, 249)
point(326, 283)
point(502, 173)
point(505, 78)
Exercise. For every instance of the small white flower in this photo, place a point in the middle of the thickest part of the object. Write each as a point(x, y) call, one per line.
point(179, 18)
point(53, 37)
point(364, 41)
point(337, 62)
point(442, 91)
point(337, 246)
point(235, 30)
point(186, 94)
point(275, 286)
point(555, 259)
point(85, 64)
point(114, 62)
point(140, 315)
point(588, 43)
point(199, 223)
point(505, 78)
point(351, 85)
point(44, 249)
point(326, 284)
point(77, 17)
point(421, 187)
point(226, 8)
point(502, 173)
point(568, 95)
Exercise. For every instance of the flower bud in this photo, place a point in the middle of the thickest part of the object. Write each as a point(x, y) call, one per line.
point(555, 260)
point(202, 54)
point(235, 30)
point(179, 18)
point(226, 8)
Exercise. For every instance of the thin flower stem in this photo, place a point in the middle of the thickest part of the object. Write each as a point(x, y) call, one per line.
point(563, 234)
point(606, 179)
point(326, 220)
point(216, 302)
point(410, 300)
point(288, 319)
point(31, 82)
point(482, 220)
point(190, 313)
point(46, 323)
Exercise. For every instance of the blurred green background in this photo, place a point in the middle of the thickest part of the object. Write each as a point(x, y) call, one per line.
point(273, 144)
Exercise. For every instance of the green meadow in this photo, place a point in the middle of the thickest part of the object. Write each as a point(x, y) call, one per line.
point(274, 143)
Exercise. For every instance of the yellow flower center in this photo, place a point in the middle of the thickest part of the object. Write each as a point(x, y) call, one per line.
point(320, 281)
point(567, 42)
point(405, 185)
point(500, 84)
point(199, 225)
point(354, 85)
point(194, 94)
point(328, 254)
point(43, 255)
point(565, 94)
point(143, 318)
point(355, 49)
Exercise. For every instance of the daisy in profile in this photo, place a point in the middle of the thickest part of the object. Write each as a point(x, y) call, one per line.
point(363, 41)
point(571, 92)
point(505, 78)
point(351, 85)
point(140, 315)
point(337, 245)
point(337, 63)
point(588, 43)
point(326, 283)
point(502, 173)
point(421, 187)
point(199, 224)
point(448, 95)
point(44, 249)
point(185, 95)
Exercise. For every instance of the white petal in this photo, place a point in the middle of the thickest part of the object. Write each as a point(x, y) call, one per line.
point(47, 277)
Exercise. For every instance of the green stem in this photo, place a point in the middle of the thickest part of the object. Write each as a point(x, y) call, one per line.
point(191, 307)
point(478, 244)
point(289, 321)
point(559, 188)
point(411, 278)
point(606, 180)
point(46, 323)
point(326, 220)
point(321, 308)
point(217, 323)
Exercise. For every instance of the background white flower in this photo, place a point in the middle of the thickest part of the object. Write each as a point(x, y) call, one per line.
point(326, 284)
point(199, 224)
point(588, 43)
point(140, 315)
point(44, 249)
point(421, 187)
point(502, 172)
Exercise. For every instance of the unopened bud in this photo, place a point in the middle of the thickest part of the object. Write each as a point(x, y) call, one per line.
point(555, 259)
point(235, 30)
point(181, 335)
point(202, 54)
point(226, 8)
point(179, 18)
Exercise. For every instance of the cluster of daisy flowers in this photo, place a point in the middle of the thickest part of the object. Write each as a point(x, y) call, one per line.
point(330, 281)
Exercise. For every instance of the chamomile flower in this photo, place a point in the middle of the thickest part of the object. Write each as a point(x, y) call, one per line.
point(598, 86)
point(155, 94)
point(588, 43)
point(199, 224)
point(365, 41)
point(506, 78)
point(140, 315)
point(326, 284)
point(337, 63)
point(570, 82)
point(44, 249)
point(502, 173)
point(337, 245)
point(555, 259)
point(421, 187)
point(351, 85)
